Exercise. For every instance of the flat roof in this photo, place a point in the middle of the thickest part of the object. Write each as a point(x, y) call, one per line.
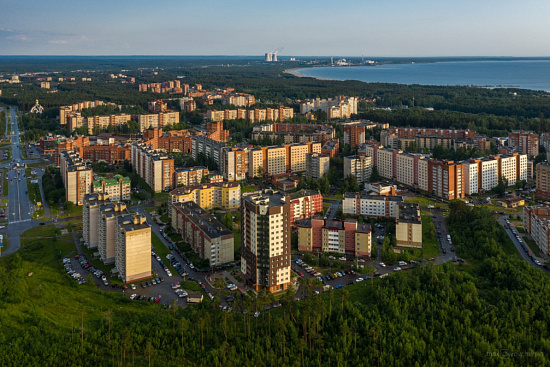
point(204, 220)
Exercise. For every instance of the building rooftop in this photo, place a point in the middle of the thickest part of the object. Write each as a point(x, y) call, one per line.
point(204, 220)
point(188, 189)
point(132, 222)
point(363, 195)
point(111, 181)
point(409, 213)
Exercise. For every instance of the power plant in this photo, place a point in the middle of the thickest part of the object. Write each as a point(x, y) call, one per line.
point(272, 56)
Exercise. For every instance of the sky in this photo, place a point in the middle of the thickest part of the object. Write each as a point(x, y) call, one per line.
point(384, 28)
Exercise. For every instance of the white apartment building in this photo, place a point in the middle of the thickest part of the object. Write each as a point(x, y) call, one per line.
point(371, 205)
point(423, 165)
point(156, 169)
point(507, 168)
point(276, 160)
point(234, 165)
point(317, 165)
point(471, 177)
point(385, 163)
point(488, 171)
point(358, 166)
point(405, 169)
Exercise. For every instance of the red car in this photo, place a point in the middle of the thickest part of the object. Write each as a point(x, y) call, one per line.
point(432, 259)
point(87, 266)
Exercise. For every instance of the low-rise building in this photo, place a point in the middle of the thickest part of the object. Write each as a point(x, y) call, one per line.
point(208, 196)
point(408, 226)
point(207, 236)
point(118, 188)
point(346, 237)
point(189, 176)
point(371, 205)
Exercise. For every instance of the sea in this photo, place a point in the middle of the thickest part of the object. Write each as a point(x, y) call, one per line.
point(523, 74)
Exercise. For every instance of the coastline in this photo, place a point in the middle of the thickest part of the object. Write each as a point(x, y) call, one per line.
point(294, 72)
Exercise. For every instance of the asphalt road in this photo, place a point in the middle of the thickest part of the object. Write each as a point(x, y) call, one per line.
point(523, 254)
point(20, 208)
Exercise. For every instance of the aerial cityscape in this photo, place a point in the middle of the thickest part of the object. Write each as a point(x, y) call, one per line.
point(209, 192)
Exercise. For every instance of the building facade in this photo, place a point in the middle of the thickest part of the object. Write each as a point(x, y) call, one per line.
point(345, 237)
point(133, 248)
point(207, 236)
point(265, 243)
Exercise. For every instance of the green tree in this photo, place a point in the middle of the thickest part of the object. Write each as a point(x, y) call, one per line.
point(374, 176)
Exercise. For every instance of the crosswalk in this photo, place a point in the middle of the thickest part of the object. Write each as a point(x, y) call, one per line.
point(19, 221)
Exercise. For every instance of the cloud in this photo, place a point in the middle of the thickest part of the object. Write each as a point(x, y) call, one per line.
point(19, 37)
point(58, 42)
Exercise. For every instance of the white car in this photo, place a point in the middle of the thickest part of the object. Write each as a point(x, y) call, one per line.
point(397, 268)
point(133, 296)
point(359, 280)
point(382, 265)
point(537, 262)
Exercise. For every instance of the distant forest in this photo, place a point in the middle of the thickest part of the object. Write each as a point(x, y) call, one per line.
point(488, 111)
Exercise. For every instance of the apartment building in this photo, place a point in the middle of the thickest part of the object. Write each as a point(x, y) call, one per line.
point(354, 134)
point(77, 177)
point(208, 196)
point(209, 238)
point(133, 248)
point(406, 171)
point(371, 205)
point(488, 173)
point(210, 148)
point(344, 237)
point(112, 154)
point(158, 120)
point(507, 168)
point(189, 176)
point(471, 177)
point(279, 159)
point(66, 111)
point(118, 188)
point(90, 218)
point(340, 107)
point(107, 229)
point(156, 169)
point(303, 204)
point(536, 221)
point(359, 167)
point(265, 243)
point(525, 142)
point(178, 141)
point(431, 141)
point(408, 226)
point(253, 115)
point(331, 148)
point(234, 163)
point(446, 179)
point(294, 133)
point(386, 163)
point(100, 123)
point(543, 181)
point(423, 174)
point(317, 165)
point(215, 131)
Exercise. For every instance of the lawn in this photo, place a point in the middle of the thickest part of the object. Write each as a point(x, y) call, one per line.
point(34, 192)
point(237, 245)
point(429, 241)
point(248, 188)
point(533, 246)
point(5, 189)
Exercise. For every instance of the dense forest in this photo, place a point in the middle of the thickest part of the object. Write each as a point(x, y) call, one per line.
point(491, 311)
